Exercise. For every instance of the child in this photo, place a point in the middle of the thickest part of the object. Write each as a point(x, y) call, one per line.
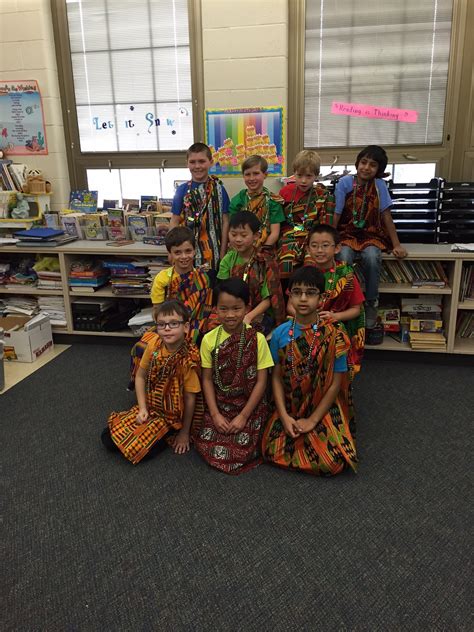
point(310, 428)
point(202, 204)
point(343, 299)
point(305, 204)
point(234, 359)
point(267, 304)
point(181, 281)
point(168, 391)
point(258, 200)
point(365, 223)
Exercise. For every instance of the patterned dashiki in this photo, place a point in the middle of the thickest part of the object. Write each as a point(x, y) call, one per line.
point(302, 210)
point(194, 290)
point(330, 447)
point(265, 205)
point(342, 291)
point(234, 453)
point(373, 233)
point(201, 212)
point(165, 402)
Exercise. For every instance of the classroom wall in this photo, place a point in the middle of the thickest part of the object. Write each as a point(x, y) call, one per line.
point(245, 53)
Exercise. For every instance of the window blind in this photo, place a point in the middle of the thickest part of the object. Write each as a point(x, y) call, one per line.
point(132, 75)
point(388, 56)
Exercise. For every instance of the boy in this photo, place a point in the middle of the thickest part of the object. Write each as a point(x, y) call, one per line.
point(202, 204)
point(183, 282)
point(234, 360)
point(310, 428)
point(365, 223)
point(167, 387)
point(258, 200)
point(343, 299)
point(305, 204)
point(267, 305)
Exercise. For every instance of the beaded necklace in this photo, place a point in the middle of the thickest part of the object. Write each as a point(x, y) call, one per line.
point(161, 370)
point(299, 227)
point(330, 280)
point(359, 217)
point(248, 266)
point(311, 353)
point(264, 219)
point(215, 358)
point(193, 217)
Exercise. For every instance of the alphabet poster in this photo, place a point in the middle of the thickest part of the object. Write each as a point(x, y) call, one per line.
point(235, 134)
point(22, 129)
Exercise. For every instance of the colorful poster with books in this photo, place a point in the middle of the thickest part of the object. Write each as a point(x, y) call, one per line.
point(83, 200)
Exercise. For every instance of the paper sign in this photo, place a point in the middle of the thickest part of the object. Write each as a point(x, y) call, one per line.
point(22, 130)
point(363, 110)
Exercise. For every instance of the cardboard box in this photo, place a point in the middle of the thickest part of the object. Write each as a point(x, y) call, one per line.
point(25, 338)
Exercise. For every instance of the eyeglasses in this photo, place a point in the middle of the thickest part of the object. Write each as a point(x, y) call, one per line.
point(322, 246)
point(297, 293)
point(173, 324)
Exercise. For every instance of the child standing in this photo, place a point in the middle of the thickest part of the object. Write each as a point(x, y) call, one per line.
point(234, 359)
point(305, 204)
point(202, 204)
point(168, 391)
point(310, 429)
point(260, 272)
point(258, 200)
point(365, 223)
point(343, 299)
point(184, 282)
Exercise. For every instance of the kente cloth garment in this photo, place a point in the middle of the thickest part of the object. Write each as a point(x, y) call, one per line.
point(302, 212)
point(265, 205)
point(330, 447)
point(367, 207)
point(201, 212)
point(194, 290)
point(165, 402)
point(263, 267)
point(342, 291)
point(234, 453)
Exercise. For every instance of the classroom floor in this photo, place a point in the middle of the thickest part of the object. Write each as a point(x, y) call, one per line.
point(15, 372)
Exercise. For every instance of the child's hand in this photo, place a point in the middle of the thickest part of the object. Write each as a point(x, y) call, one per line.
point(237, 424)
point(399, 252)
point(247, 320)
point(304, 425)
point(327, 316)
point(142, 416)
point(289, 424)
point(221, 423)
point(181, 442)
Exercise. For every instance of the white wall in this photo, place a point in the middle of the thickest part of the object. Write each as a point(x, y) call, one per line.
point(27, 52)
point(245, 51)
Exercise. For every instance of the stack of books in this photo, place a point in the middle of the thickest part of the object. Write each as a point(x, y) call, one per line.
point(467, 283)
point(423, 316)
point(128, 278)
point(54, 307)
point(87, 277)
point(42, 237)
point(465, 325)
point(49, 280)
point(416, 273)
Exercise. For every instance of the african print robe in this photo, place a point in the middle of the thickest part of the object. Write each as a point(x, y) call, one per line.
point(330, 447)
point(165, 402)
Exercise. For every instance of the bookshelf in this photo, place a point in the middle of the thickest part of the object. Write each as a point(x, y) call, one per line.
point(452, 306)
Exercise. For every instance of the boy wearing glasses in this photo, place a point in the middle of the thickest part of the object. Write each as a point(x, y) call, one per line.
point(184, 282)
point(310, 429)
point(168, 391)
point(343, 299)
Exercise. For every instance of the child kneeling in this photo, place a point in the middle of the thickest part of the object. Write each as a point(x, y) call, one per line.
point(310, 429)
point(234, 359)
point(168, 391)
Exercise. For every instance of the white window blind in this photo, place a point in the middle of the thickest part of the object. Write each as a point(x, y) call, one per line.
point(132, 76)
point(385, 55)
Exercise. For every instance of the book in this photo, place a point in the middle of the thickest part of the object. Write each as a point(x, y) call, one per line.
point(83, 200)
point(50, 243)
point(109, 204)
point(39, 234)
point(90, 289)
point(131, 204)
point(19, 174)
point(71, 223)
point(93, 226)
point(116, 225)
point(138, 226)
point(148, 202)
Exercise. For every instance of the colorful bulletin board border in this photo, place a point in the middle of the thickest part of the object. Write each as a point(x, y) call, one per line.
point(235, 134)
point(22, 129)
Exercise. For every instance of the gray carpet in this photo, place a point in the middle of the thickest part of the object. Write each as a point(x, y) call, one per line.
point(94, 543)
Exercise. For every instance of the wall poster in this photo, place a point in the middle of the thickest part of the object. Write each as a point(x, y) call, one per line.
point(22, 129)
point(235, 134)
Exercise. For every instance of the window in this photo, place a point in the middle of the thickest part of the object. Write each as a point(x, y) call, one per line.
point(130, 90)
point(375, 72)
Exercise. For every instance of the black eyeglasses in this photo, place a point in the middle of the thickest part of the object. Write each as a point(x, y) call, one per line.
point(173, 324)
point(297, 293)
